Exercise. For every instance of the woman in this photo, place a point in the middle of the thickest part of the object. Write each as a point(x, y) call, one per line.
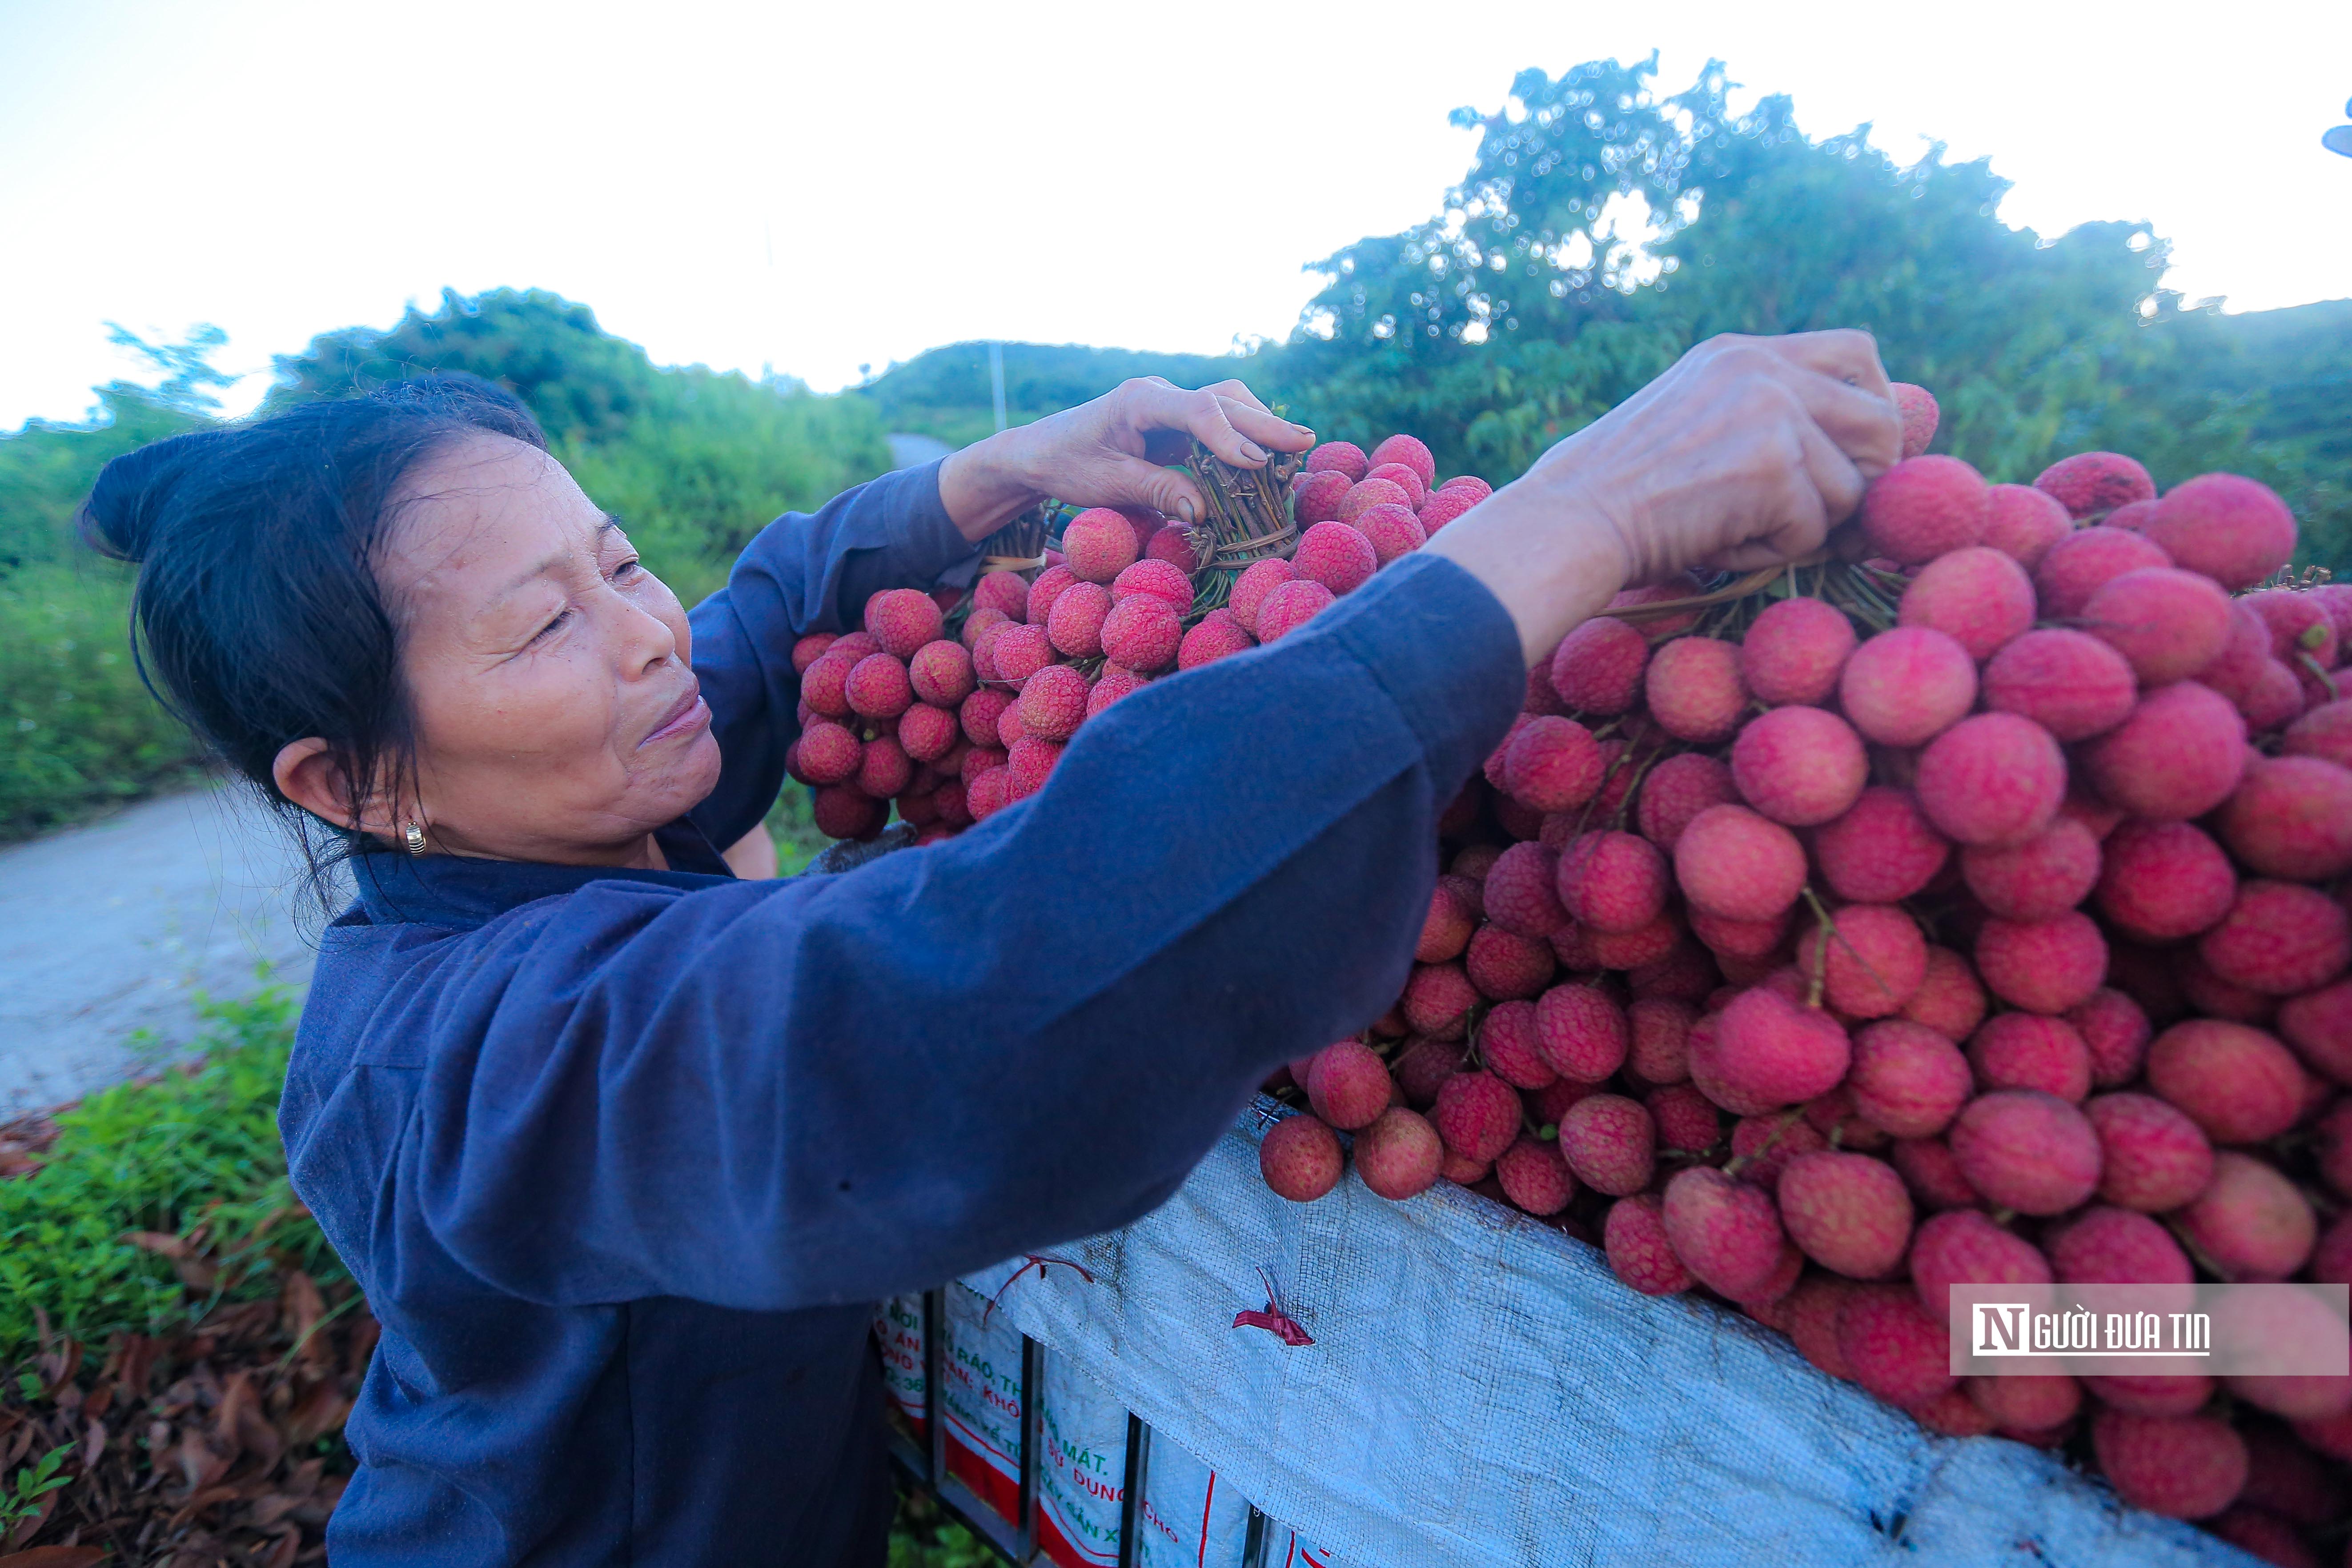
point(621, 1148)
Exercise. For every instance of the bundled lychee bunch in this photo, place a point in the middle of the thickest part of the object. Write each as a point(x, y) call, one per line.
point(1969, 906)
point(950, 716)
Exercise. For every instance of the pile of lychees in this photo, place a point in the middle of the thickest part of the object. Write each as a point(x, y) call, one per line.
point(952, 728)
point(1970, 907)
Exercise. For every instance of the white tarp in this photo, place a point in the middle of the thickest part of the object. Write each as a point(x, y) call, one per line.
point(1482, 1391)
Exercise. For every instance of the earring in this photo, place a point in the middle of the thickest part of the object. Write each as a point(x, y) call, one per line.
point(413, 838)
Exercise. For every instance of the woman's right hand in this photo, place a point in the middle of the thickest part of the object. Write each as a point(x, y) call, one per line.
point(1744, 455)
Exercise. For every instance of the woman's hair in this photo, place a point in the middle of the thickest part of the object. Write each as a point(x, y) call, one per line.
point(258, 619)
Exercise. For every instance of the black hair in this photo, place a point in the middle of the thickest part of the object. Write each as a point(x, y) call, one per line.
point(257, 618)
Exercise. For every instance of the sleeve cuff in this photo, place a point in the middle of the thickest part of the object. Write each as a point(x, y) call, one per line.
point(926, 546)
point(1445, 650)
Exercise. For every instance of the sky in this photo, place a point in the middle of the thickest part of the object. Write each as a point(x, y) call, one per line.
point(820, 189)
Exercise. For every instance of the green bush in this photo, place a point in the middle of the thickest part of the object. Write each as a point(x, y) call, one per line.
point(157, 1160)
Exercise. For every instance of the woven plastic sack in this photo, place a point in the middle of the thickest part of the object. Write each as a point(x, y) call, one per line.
point(1481, 1390)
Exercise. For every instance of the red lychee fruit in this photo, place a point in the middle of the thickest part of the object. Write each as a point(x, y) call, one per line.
point(1992, 779)
point(1404, 478)
point(1735, 943)
point(1552, 764)
point(1847, 1212)
point(1521, 891)
point(1534, 1176)
point(1727, 1232)
point(1007, 593)
point(1893, 1347)
point(1733, 863)
point(2160, 881)
point(1476, 1114)
point(2183, 1467)
point(1338, 456)
point(1510, 1045)
point(979, 714)
point(1686, 1120)
point(1075, 625)
point(1212, 640)
point(829, 754)
point(1315, 497)
point(1443, 506)
point(2038, 880)
point(1097, 545)
point(989, 793)
point(941, 674)
point(807, 650)
point(1393, 531)
point(2027, 1151)
point(1505, 967)
point(2234, 529)
point(1437, 1001)
point(1906, 1078)
point(1686, 974)
point(1409, 451)
point(1336, 556)
point(1660, 1049)
point(1160, 579)
point(926, 732)
point(1963, 1246)
point(1185, 549)
point(2155, 1158)
point(1694, 689)
point(1762, 1146)
point(1477, 489)
point(1799, 765)
point(2319, 1024)
point(843, 811)
point(2044, 966)
point(2026, 1406)
point(1610, 1142)
point(1017, 652)
point(877, 687)
point(1250, 589)
point(1348, 1084)
point(1949, 1000)
point(1582, 1033)
point(2292, 817)
point(1932, 1174)
point(1906, 685)
point(1398, 1156)
point(1446, 930)
point(1368, 493)
point(1142, 633)
point(1598, 668)
point(2236, 1082)
point(2115, 1032)
point(1882, 850)
point(1870, 961)
point(2156, 1394)
point(1115, 682)
point(1771, 1051)
point(1917, 406)
point(2077, 565)
point(2279, 939)
point(1980, 597)
point(1809, 1313)
point(2325, 732)
point(1300, 1158)
point(1030, 761)
point(2179, 756)
point(1613, 883)
point(2109, 1246)
point(1290, 606)
point(1678, 789)
point(1635, 1237)
point(2089, 483)
point(978, 760)
point(2260, 1533)
point(1053, 702)
point(1795, 650)
point(1423, 1066)
point(2168, 623)
point(2023, 523)
point(902, 620)
point(1922, 507)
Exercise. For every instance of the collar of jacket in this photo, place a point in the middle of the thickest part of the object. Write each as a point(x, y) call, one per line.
point(458, 892)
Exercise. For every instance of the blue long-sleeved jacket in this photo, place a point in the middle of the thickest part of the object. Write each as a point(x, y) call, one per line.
point(622, 1158)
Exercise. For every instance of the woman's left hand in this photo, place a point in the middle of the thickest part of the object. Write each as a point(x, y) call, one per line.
point(1109, 452)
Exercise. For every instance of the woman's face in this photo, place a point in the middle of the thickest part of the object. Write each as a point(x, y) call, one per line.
point(557, 714)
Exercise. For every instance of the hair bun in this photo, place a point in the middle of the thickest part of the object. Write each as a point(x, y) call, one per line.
point(134, 492)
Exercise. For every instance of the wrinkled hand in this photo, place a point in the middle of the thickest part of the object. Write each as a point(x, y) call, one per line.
point(1743, 456)
point(1109, 452)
